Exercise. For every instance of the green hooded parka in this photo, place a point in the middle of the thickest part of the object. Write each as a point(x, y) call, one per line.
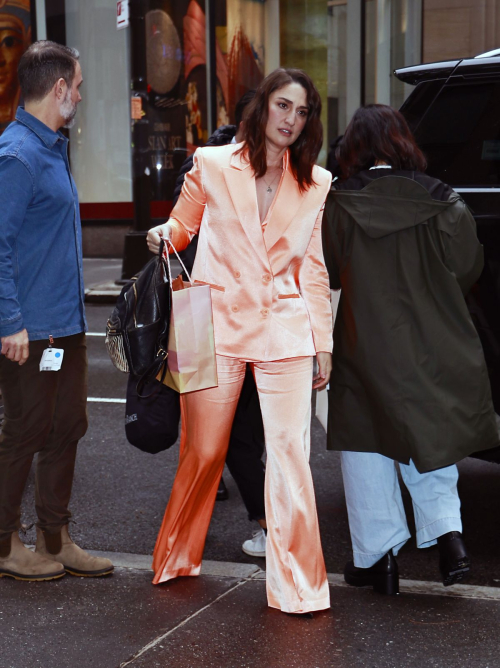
point(409, 379)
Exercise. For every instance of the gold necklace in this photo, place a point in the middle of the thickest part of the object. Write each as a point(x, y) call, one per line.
point(269, 189)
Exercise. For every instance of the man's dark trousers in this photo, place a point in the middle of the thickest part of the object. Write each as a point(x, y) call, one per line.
point(45, 413)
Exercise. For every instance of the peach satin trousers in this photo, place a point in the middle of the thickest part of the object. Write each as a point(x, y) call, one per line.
point(295, 569)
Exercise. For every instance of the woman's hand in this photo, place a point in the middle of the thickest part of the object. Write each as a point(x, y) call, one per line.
point(320, 380)
point(156, 234)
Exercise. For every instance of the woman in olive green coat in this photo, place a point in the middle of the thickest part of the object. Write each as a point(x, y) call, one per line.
point(409, 382)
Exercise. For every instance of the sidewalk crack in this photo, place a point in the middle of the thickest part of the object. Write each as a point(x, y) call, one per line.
point(162, 637)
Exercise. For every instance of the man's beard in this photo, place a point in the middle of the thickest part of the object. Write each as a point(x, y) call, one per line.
point(68, 110)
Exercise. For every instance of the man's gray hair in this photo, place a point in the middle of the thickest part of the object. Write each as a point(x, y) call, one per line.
point(41, 65)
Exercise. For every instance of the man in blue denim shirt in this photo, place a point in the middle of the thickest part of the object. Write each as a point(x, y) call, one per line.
point(41, 307)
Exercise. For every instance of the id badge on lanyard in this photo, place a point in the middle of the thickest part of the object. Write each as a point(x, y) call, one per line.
point(52, 357)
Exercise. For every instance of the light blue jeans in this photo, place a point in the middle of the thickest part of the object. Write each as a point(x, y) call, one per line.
point(377, 518)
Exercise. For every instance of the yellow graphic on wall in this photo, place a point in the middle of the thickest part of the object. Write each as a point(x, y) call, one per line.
point(15, 37)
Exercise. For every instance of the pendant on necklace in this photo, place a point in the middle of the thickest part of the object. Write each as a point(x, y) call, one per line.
point(269, 189)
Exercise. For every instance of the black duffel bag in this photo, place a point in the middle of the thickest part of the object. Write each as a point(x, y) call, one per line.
point(137, 329)
point(152, 421)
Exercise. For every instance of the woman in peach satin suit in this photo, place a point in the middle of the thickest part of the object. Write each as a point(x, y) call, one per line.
point(257, 207)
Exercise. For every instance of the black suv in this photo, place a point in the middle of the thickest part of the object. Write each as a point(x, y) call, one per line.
point(454, 112)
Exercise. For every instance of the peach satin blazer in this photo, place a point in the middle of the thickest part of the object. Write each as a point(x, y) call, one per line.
point(270, 287)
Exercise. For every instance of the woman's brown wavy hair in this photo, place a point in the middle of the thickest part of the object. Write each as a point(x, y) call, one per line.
point(305, 150)
point(376, 133)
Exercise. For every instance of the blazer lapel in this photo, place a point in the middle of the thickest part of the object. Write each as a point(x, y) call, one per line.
point(285, 208)
point(241, 186)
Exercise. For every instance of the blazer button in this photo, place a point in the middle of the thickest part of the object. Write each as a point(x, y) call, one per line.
point(237, 274)
point(266, 278)
point(264, 312)
point(234, 308)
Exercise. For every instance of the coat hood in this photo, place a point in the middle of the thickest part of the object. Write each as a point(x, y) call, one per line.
point(393, 203)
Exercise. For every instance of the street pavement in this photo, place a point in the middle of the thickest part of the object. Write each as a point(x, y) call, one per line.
point(221, 618)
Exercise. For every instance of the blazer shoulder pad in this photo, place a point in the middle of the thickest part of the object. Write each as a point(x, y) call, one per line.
point(322, 176)
point(220, 155)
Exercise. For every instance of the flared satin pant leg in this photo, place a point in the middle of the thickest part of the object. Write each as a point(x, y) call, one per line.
point(207, 418)
point(295, 568)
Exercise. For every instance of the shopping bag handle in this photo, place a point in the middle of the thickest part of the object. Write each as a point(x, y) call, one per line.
point(166, 256)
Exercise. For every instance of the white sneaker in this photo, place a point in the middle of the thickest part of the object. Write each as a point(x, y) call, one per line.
point(256, 546)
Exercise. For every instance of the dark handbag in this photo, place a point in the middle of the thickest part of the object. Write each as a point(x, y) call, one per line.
point(152, 421)
point(137, 329)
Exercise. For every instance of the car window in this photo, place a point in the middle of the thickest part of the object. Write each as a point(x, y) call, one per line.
point(420, 100)
point(460, 135)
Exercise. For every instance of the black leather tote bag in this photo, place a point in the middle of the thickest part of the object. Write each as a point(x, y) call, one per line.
point(137, 329)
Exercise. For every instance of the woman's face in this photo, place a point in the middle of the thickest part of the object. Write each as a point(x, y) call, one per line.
point(287, 115)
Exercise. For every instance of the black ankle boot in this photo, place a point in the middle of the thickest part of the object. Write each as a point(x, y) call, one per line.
point(382, 576)
point(454, 562)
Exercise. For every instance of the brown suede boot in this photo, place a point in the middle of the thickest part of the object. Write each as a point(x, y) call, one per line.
point(17, 562)
point(60, 547)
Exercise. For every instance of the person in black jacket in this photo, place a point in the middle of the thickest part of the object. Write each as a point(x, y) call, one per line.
point(246, 447)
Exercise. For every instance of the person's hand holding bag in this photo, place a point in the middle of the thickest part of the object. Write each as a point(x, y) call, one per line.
point(156, 234)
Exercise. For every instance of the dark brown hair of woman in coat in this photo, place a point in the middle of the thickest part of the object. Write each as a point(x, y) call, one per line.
point(303, 152)
point(378, 133)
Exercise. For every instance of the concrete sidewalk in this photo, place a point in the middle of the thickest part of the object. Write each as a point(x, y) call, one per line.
point(100, 276)
point(221, 619)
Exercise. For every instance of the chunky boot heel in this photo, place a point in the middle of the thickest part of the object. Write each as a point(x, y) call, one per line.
point(386, 584)
point(300, 615)
point(456, 574)
point(382, 576)
point(454, 562)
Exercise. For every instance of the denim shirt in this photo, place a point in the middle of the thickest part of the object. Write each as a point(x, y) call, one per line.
point(41, 276)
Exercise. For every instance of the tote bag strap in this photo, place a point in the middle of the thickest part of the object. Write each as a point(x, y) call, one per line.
point(166, 256)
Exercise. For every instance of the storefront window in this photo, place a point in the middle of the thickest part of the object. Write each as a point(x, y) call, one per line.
point(176, 118)
point(100, 138)
point(304, 44)
point(350, 48)
point(240, 37)
point(392, 40)
point(193, 76)
point(337, 70)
